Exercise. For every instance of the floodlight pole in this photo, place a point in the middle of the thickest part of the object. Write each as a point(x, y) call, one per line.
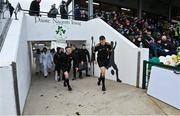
point(139, 9)
point(169, 10)
point(90, 9)
point(73, 9)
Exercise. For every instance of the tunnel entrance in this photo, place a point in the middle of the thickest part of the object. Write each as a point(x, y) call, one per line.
point(50, 45)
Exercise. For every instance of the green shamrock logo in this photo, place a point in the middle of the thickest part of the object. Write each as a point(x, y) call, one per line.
point(60, 30)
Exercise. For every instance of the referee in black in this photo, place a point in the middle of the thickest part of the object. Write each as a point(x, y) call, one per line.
point(66, 59)
point(104, 52)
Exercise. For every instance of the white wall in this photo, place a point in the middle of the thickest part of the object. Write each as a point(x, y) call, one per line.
point(15, 49)
point(164, 85)
point(125, 52)
point(144, 56)
point(8, 55)
point(42, 28)
point(7, 98)
point(23, 66)
point(11, 43)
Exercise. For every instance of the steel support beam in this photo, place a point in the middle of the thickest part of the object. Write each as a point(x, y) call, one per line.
point(90, 9)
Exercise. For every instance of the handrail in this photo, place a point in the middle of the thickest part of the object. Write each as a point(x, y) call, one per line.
point(158, 65)
point(18, 8)
point(58, 15)
point(43, 12)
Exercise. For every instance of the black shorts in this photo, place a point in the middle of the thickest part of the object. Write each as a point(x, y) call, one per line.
point(103, 62)
point(58, 67)
point(66, 69)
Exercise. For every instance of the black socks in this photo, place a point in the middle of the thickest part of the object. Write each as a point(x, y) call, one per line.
point(103, 84)
point(99, 81)
point(67, 82)
point(101, 78)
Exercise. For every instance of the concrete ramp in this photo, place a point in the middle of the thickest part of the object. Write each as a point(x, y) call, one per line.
point(47, 97)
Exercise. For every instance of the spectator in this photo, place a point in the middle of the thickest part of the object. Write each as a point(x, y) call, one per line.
point(37, 61)
point(35, 8)
point(63, 11)
point(53, 11)
point(77, 12)
point(84, 16)
point(154, 31)
point(11, 9)
point(75, 58)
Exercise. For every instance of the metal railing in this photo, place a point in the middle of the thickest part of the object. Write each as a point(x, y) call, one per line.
point(147, 70)
point(42, 13)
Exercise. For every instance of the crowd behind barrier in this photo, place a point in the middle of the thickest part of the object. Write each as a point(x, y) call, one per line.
point(158, 34)
point(78, 13)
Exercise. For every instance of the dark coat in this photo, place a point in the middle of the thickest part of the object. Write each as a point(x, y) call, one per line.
point(63, 12)
point(84, 53)
point(104, 51)
point(34, 8)
point(76, 58)
point(66, 62)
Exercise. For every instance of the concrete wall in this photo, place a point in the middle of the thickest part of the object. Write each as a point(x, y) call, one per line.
point(15, 49)
point(23, 66)
point(168, 84)
point(41, 29)
point(125, 52)
point(144, 56)
point(7, 97)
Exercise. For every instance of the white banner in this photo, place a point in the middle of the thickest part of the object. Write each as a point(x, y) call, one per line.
point(43, 28)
